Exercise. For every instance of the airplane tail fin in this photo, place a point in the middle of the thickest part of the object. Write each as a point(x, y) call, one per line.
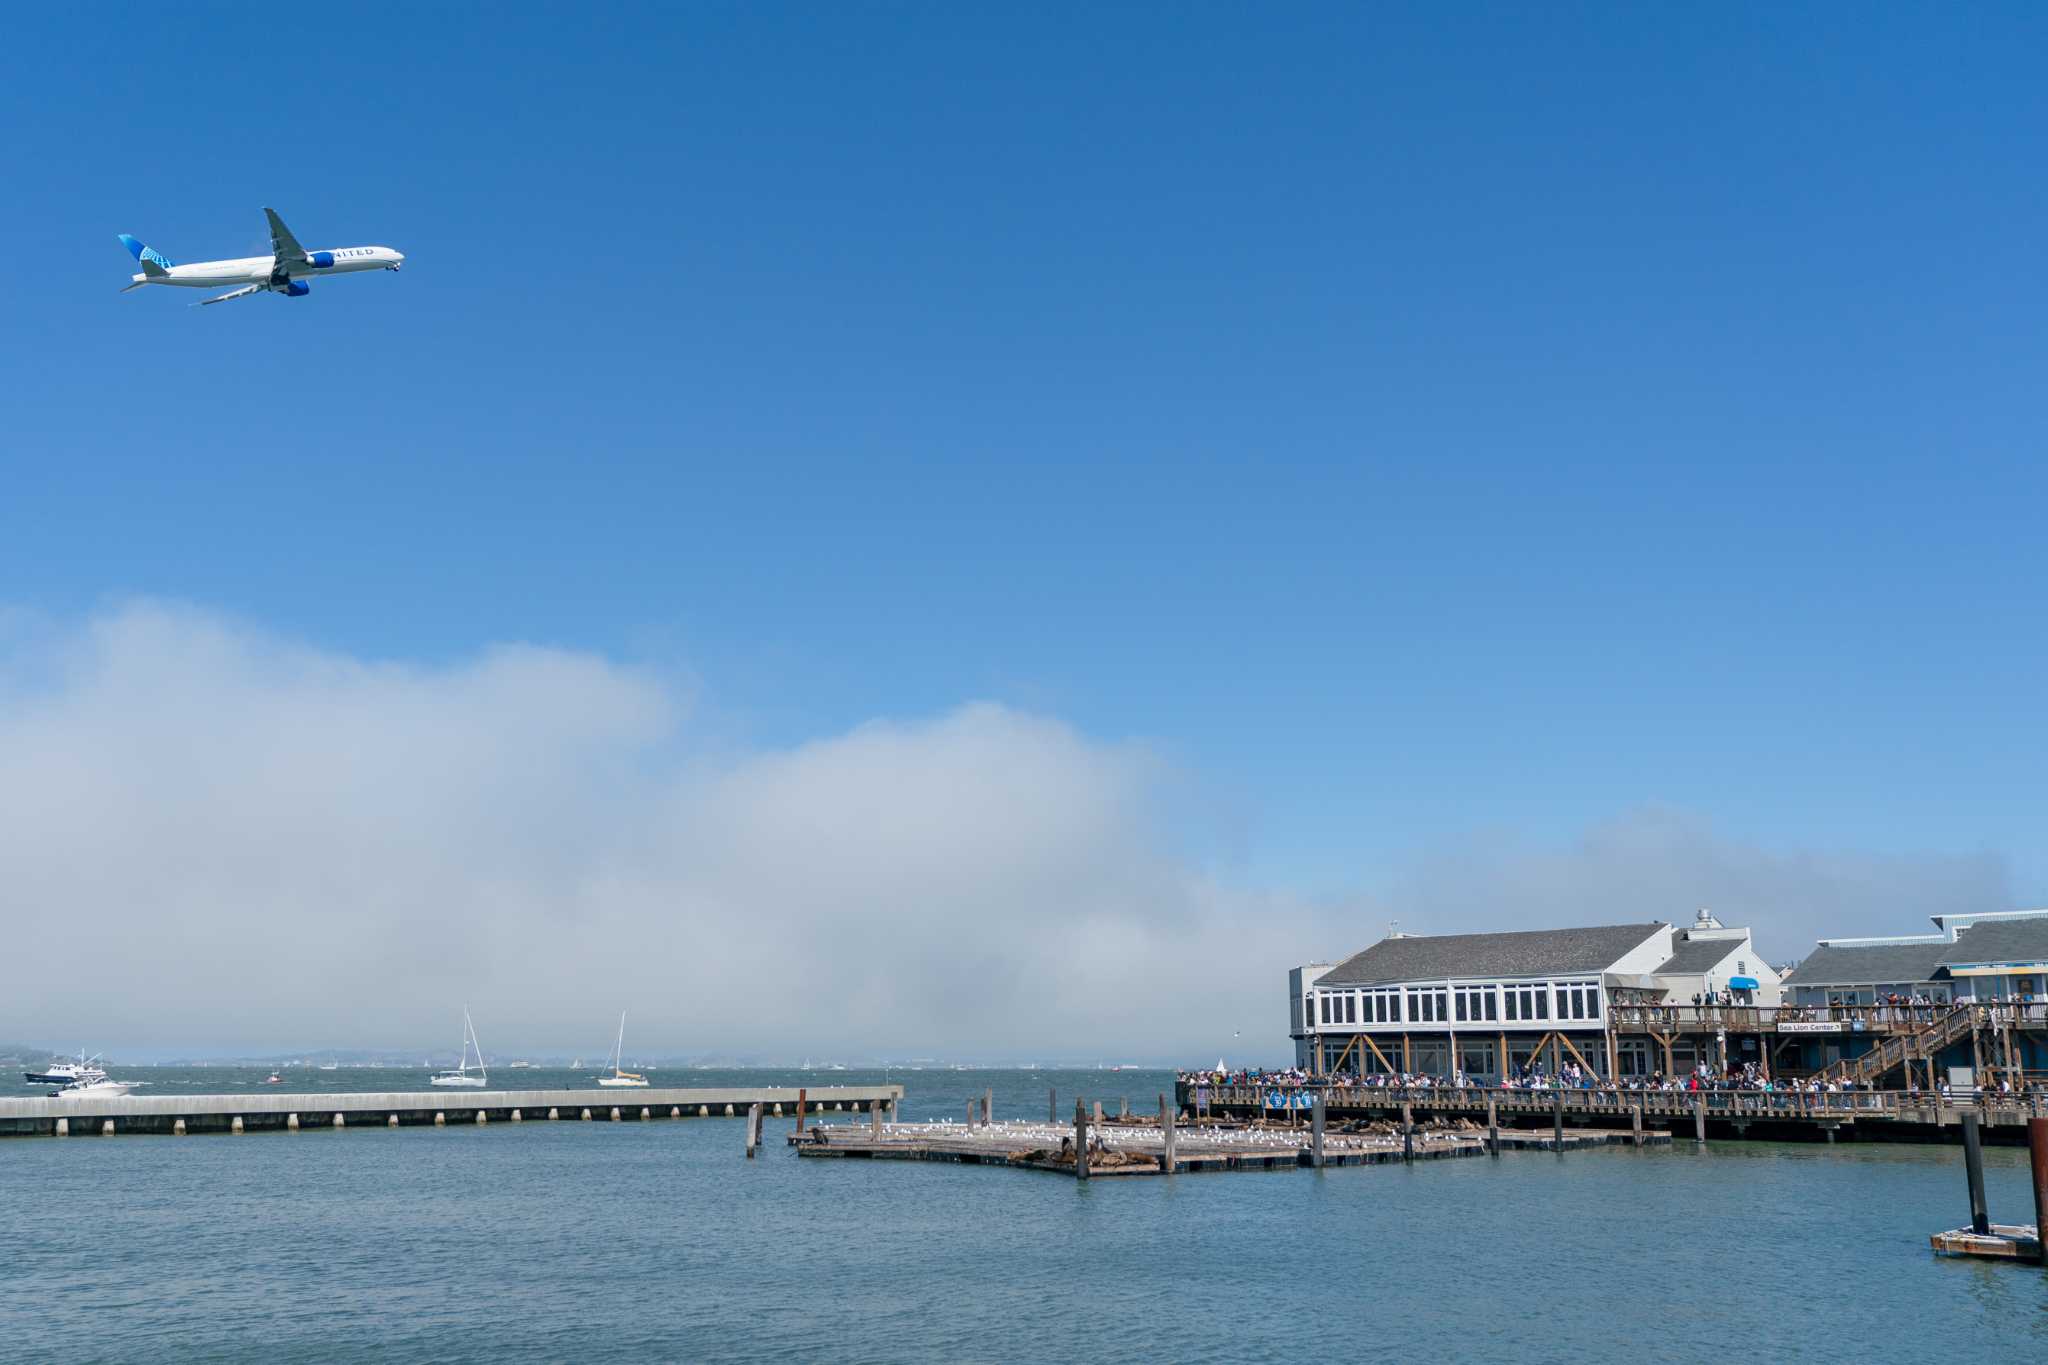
point(152, 261)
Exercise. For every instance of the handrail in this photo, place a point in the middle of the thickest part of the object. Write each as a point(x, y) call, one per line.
point(1608, 1099)
point(1885, 1018)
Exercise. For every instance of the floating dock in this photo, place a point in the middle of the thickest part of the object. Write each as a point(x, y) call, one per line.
point(182, 1114)
point(1126, 1148)
point(1985, 1239)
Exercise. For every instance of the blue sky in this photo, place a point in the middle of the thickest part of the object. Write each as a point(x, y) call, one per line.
point(1409, 422)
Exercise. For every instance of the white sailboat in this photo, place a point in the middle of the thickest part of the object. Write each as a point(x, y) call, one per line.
point(618, 1077)
point(460, 1075)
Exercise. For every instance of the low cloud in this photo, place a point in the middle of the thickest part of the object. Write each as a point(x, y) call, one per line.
point(214, 838)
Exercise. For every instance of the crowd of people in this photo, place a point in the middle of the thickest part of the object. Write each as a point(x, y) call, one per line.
point(1532, 1075)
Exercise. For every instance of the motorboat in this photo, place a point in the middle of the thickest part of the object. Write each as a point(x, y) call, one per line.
point(64, 1073)
point(618, 1078)
point(273, 1079)
point(461, 1075)
point(99, 1088)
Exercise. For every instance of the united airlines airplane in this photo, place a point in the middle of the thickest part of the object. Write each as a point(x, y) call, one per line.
point(284, 271)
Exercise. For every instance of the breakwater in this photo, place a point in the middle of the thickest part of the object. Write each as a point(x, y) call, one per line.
point(189, 1114)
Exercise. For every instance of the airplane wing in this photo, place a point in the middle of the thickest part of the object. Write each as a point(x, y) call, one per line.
point(285, 247)
point(243, 292)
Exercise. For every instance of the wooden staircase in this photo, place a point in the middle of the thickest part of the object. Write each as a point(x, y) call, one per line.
point(1899, 1048)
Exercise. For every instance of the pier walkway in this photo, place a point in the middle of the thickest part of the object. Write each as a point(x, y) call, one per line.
point(181, 1114)
point(1908, 1115)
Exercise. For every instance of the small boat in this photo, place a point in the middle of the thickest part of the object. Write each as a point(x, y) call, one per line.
point(98, 1088)
point(460, 1075)
point(64, 1073)
point(618, 1077)
point(329, 1066)
point(273, 1079)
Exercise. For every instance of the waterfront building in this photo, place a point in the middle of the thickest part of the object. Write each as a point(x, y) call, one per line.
point(1849, 992)
point(1490, 1005)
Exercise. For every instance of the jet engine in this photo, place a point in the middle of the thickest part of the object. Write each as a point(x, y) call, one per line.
point(296, 289)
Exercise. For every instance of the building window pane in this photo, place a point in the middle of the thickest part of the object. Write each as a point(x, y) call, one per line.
point(1543, 1003)
point(1461, 1007)
point(1593, 1003)
point(1492, 1012)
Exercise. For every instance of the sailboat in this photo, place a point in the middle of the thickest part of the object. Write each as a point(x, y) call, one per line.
point(618, 1077)
point(460, 1075)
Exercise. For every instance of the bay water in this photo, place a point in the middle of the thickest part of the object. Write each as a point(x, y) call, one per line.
point(658, 1241)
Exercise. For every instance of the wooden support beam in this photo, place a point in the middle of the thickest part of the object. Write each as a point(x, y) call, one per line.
point(801, 1096)
point(1576, 1053)
point(1080, 1139)
point(1366, 1038)
point(1405, 1054)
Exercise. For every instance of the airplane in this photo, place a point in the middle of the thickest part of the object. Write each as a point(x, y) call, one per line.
point(284, 271)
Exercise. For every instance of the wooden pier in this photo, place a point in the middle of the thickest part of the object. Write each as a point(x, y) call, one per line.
point(185, 1114)
point(1774, 1114)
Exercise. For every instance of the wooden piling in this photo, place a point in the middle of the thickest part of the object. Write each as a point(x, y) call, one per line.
point(1699, 1118)
point(1635, 1115)
point(988, 1107)
point(1557, 1119)
point(2037, 1158)
point(1052, 1105)
point(875, 1119)
point(1407, 1131)
point(1973, 1171)
point(801, 1096)
point(1166, 1128)
point(1080, 1139)
point(1315, 1133)
point(1098, 1113)
point(1493, 1125)
point(753, 1128)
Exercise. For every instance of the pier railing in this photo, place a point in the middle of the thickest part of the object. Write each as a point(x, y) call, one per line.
point(1909, 1105)
point(1821, 1019)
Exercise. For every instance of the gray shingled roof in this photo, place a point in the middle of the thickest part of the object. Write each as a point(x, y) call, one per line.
point(1697, 957)
point(1991, 942)
point(1533, 952)
point(1878, 964)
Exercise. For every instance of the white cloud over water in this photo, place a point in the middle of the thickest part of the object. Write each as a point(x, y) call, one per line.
point(215, 838)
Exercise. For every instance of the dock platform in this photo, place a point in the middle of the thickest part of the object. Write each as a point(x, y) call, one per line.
point(2004, 1242)
point(1141, 1149)
point(183, 1114)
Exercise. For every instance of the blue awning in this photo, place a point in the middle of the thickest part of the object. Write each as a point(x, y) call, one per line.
point(1741, 983)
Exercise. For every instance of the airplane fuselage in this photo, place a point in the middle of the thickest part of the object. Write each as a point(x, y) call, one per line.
point(259, 269)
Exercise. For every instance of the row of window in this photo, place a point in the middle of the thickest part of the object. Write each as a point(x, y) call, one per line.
point(1462, 1004)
